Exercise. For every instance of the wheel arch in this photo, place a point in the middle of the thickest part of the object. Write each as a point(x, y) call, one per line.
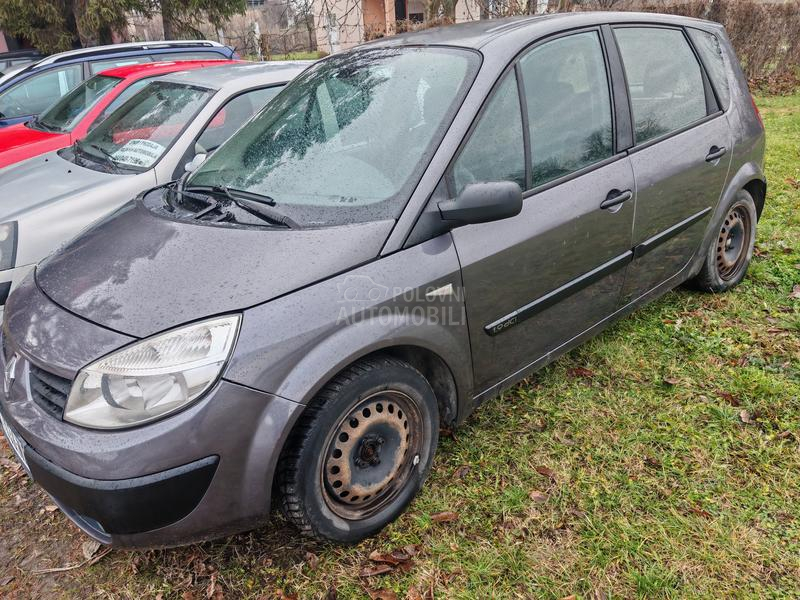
point(749, 177)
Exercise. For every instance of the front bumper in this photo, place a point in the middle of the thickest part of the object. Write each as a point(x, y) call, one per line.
point(201, 473)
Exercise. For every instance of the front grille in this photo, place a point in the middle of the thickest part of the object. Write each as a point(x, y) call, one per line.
point(49, 391)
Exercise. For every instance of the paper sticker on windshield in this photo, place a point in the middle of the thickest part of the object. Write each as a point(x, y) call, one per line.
point(142, 153)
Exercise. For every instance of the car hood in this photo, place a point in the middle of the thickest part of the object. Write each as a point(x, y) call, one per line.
point(139, 273)
point(45, 179)
point(18, 135)
point(19, 142)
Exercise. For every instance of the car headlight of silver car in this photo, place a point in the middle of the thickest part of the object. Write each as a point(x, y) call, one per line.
point(152, 378)
point(8, 244)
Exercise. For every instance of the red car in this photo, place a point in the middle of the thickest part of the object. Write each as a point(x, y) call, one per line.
point(74, 114)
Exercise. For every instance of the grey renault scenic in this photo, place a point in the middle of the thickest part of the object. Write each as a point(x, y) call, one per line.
point(409, 228)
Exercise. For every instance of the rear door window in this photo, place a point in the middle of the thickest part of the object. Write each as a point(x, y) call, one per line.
point(664, 80)
point(569, 105)
point(710, 50)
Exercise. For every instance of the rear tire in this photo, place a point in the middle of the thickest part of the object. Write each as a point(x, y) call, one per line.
point(730, 252)
point(360, 452)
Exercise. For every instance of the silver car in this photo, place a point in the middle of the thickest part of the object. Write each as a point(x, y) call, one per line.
point(172, 122)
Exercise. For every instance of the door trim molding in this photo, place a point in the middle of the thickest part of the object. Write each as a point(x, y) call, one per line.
point(557, 295)
point(573, 286)
point(669, 233)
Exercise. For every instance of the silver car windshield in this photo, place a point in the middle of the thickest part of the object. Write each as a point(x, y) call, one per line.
point(138, 133)
point(347, 140)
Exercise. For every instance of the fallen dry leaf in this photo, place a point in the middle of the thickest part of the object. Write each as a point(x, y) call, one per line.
point(582, 372)
point(538, 496)
point(700, 512)
point(6, 580)
point(50, 508)
point(746, 418)
point(539, 425)
point(671, 380)
point(444, 516)
point(570, 597)
point(565, 439)
point(89, 548)
point(373, 570)
point(545, 472)
point(793, 182)
point(413, 594)
point(729, 398)
point(312, 560)
point(462, 471)
point(652, 462)
point(795, 292)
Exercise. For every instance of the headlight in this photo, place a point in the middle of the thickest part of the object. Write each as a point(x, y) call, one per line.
point(8, 244)
point(152, 378)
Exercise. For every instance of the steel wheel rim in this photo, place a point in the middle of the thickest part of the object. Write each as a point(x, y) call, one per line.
point(371, 453)
point(733, 243)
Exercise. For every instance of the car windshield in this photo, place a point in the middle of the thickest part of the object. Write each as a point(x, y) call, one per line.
point(347, 140)
point(138, 133)
point(65, 114)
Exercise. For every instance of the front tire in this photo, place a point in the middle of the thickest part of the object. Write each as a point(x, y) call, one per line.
point(731, 250)
point(360, 452)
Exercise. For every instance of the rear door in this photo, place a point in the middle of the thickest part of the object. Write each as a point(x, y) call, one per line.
point(534, 281)
point(681, 154)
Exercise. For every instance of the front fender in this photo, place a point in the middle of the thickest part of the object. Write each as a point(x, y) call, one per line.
point(294, 345)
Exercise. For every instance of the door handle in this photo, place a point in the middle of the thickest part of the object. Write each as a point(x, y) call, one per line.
point(715, 153)
point(615, 198)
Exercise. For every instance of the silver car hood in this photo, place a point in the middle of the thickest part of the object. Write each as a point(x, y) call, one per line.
point(139, 273)
point(45, 179)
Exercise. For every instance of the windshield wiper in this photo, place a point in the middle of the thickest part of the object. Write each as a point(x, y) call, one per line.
point(111, 160)
point(39, 124)
point(256, 204)
point(233, 193)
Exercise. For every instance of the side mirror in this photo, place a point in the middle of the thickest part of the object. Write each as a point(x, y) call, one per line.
point(194, 164)
point(482, 203)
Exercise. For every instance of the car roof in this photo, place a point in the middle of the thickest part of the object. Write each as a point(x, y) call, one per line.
point(140, 70)
point(477, 34)
point(126, 47)
point(241, 75)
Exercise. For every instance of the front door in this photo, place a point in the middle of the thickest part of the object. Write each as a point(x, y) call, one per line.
point(534, 281)
point(681, 157)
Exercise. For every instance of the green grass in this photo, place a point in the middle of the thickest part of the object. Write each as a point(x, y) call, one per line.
point(659, 488)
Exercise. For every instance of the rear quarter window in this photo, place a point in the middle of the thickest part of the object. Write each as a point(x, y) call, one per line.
point(710, 50)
